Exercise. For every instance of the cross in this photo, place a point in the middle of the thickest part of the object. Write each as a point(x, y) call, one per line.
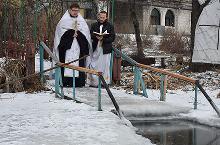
point(218, 26)
point(75, 27)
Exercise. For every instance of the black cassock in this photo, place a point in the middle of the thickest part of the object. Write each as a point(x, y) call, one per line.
point(64, 45)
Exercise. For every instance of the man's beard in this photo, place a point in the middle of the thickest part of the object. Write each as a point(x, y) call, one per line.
point(102, 21)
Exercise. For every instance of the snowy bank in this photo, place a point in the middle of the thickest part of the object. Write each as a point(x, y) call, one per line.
point(33, 119)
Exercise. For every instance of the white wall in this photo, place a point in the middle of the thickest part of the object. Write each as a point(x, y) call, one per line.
point(184, 21)
point(182, 18)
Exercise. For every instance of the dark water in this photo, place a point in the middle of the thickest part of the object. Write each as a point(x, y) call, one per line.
point(178, 133)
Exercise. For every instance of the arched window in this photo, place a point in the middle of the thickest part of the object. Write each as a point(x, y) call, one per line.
point(155, 17)
point(169, 19)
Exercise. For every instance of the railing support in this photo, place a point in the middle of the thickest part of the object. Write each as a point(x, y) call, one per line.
point(195, 99)
point(135, 81)
point(163, 86)
point(41, 49)
point(111, 96)
point(74, 86)
point(138, 79)
point(208, 98)
point(99, 96)
point(111, 66)
point(142, 84)
point(58, 83)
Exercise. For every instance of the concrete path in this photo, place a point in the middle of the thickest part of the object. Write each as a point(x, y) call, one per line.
point(130, 105)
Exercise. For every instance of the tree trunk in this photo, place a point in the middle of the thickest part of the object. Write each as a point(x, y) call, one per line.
point(196, 12)
point(136, 27)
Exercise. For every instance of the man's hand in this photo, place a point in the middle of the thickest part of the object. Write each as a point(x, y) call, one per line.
point(100, 38)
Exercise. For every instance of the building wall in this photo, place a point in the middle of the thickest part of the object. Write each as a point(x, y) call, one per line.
point(180, 8)
point(184, 21)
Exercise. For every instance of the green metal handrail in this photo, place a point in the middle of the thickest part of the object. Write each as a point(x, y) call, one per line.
point(164, 72)
point(58, 79)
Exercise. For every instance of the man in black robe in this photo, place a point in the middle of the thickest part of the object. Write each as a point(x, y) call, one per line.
point(102, 35)
point(73, 42)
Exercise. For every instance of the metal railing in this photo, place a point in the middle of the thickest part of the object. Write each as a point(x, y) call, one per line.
point(58, 78)
point(137, 79)
point(164, 73)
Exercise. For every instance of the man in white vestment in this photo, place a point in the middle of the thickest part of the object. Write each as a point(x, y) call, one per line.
point(102, 34)
point(72, 41)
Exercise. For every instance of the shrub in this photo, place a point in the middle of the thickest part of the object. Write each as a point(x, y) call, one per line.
point(174, 42)
point(146, 41)
point(122, 40)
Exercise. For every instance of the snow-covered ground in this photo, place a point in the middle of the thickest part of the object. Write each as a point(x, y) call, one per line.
point(29, 119)
point(178, 104)
point(47, 64)
point(42, 119)
point(205, 114)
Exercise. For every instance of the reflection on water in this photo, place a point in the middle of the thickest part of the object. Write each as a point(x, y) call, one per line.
point(178, 133)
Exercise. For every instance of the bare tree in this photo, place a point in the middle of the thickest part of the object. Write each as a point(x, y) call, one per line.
point(132, 7)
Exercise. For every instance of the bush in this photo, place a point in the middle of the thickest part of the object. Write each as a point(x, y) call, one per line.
point(122, 40)
point(174, 42)
point(146, 41)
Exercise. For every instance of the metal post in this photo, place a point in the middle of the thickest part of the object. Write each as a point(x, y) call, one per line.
point(195, 100)
point(111, 66)
point(208, 98)
point(74, 86)
point(41, 63)
point(56, 82)
point(162, 87)
point(99, 95)
point(142, 84)
point(164, 137)
point(111, 96)
point(194, 141)
point(135, 81)
point(165, 87)
point(60, 83)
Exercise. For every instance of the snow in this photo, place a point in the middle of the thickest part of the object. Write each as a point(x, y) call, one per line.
point(43, 119)
point(47, 63)
point(204, 113)
point(129, 104)
point(32, 119)
point(178, 104)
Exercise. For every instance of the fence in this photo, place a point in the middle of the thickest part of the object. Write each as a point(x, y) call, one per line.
point(58, 79)
point(138, 78)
